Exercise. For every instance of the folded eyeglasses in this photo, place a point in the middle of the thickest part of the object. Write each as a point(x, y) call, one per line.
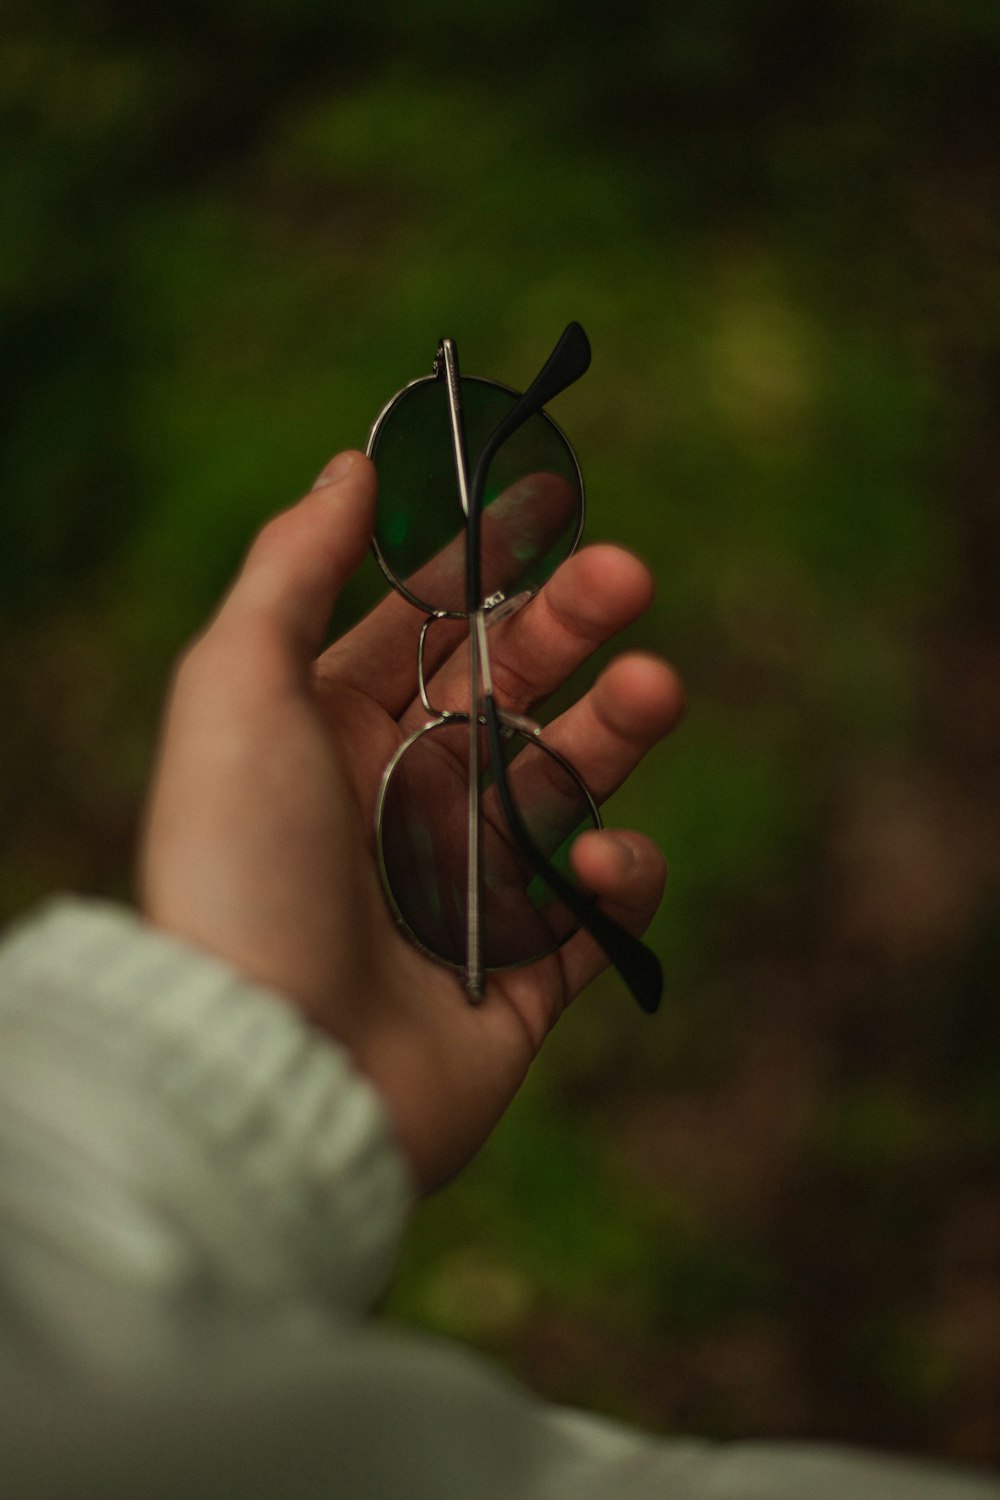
point(480, 499)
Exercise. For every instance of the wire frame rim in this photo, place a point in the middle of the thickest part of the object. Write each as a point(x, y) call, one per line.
point(451, 719)
point(373, 434)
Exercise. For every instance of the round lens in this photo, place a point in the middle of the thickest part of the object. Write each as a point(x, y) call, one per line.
point(423, 845)
point(532, 504)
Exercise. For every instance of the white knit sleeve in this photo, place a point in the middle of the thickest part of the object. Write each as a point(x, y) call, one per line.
point(163, 1119)
point(198, 1199)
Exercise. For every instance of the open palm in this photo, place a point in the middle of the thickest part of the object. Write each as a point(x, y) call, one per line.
point(259, 837)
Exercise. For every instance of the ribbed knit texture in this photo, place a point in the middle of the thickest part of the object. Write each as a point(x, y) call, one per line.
point(313, 1188)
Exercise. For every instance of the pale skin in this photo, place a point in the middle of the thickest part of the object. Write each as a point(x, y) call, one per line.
point(258, 843)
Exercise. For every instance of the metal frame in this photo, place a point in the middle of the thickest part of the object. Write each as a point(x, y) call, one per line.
point(512, 724)
point(373, 433)
point(637, 965)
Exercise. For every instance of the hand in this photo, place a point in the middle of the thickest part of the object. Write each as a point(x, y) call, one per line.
point(258, 844)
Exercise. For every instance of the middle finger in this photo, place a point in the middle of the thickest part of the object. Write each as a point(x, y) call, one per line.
point(592, 596)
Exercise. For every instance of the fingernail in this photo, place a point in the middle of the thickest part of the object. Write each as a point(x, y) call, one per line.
point(338, 468)
point(624, 851)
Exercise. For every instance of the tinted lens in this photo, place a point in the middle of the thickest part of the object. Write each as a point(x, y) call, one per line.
point(532, 505)
point(423, 835)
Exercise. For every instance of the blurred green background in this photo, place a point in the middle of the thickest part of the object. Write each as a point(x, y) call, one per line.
point(229, 232)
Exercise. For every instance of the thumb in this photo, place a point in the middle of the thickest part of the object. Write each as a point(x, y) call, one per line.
point(302, 558)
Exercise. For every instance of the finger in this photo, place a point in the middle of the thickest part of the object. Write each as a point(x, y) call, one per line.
point(281, 601)
point(520, 529)
point(627, 873)
point(635, 702)
point(592, 596)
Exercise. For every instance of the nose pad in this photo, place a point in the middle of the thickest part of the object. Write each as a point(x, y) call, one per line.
point(498, 607)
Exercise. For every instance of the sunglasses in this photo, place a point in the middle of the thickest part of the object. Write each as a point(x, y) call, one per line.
point(480, 499)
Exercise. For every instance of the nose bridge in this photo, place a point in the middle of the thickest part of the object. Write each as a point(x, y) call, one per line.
point(438, 713)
